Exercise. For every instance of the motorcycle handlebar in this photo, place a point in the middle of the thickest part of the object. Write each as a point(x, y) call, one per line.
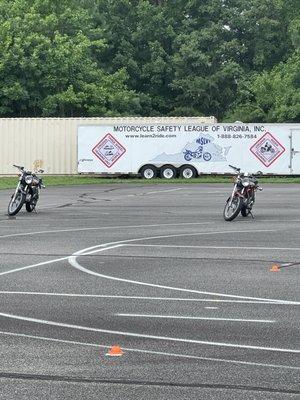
point(235, 168)
point(17, 166)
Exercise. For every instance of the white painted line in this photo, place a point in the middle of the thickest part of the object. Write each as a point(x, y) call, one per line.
point(159, 353)
point(103, 296)
point(115, 244)
point(284, 221)
point(164, 191)
point(216, 247)
point(141, 335)
point(100, 229)
point(265, 321)
point(99, 248)
point(45, 206)
point(33, 266)
point(212, 308)
point(90, 250)
point(202, 192)
point(75, 201)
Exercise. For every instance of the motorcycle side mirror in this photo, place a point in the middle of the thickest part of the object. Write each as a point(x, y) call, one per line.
point(259, 173)
point(40, 171)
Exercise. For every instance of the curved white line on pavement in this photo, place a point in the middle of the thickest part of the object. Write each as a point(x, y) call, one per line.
point(100, 229)
point(100, 248)
point(159, 353)
point(105, 244)
point(144, 336)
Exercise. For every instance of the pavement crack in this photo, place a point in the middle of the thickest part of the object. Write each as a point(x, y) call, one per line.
point(69, 379)
point(65, 205)
point(141, 257)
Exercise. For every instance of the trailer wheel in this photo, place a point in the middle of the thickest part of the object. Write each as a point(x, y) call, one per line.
point(168, 172)
point(148, 171)
point(187, 172)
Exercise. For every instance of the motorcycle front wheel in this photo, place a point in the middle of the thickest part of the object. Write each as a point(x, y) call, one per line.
point(232, 210)
point(16, 203)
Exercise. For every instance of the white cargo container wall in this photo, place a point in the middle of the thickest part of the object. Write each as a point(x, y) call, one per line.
point(51, 143)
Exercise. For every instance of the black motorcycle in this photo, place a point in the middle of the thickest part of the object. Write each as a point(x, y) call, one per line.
point(27, 191)
point(242, 198)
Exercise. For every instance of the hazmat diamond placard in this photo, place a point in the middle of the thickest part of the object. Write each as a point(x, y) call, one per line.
point(267, 149)
point(108, 150)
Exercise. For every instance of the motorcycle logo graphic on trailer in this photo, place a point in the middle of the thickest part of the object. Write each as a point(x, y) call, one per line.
point(108, 150)
point(199, 150)
point(198, 153)
point(267, 149)
point(189, 155)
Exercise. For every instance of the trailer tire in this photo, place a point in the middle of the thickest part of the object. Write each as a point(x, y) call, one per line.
point(187, 172)
point(168, 172)
point(148, 171)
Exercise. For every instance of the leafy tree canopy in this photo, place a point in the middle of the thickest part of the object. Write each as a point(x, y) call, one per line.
point(226, 58)
point(48, 65)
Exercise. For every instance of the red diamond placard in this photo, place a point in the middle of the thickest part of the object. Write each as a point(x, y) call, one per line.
point(267, 149)
point(108, 150)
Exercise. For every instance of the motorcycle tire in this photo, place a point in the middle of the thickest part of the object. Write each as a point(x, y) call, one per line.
point(238, 205)
point(30, 206)
point(245, 211)
point(21, 200)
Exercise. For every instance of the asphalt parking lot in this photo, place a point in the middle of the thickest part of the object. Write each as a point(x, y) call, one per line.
point(188, 297)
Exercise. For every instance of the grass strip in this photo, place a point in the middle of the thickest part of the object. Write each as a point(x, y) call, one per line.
point(66, 180)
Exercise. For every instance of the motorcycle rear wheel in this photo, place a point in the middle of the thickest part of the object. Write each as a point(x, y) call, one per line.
point(246, 210)
point(232, 211)
point(30, 206)
point(188, 157)
point(15, 204)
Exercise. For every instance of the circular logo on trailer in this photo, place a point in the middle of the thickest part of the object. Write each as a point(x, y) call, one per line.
point(108, 150)
point(267, 149)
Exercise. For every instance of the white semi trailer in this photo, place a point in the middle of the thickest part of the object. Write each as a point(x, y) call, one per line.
point(188, 149)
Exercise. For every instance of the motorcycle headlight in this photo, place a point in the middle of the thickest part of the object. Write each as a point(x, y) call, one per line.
point(246, 183)
point(29, 179)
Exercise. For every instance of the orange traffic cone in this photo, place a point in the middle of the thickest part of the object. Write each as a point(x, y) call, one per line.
point(275, 268)
point(115, 351)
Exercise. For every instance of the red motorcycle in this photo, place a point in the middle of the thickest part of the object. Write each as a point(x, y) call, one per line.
point(242, 198)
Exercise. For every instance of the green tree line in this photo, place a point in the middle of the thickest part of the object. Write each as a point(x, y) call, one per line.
point(234, 59)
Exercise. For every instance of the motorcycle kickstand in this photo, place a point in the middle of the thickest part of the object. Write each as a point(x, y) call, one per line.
point(250, 212)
